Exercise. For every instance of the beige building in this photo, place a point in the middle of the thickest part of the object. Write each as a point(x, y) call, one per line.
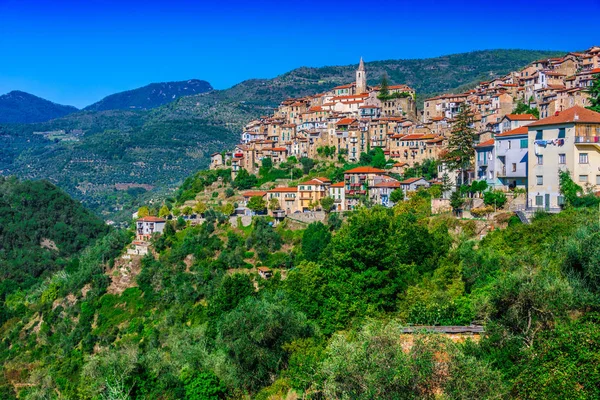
point(337, 193)
point(287, 198)
point(568, 141)
point(311, 192)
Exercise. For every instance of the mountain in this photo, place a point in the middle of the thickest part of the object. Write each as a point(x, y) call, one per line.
point(108, 158)
point(24, 108)
point(151, 96)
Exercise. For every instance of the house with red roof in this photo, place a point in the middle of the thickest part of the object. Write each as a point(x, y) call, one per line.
point(514, 121)
point(358, 181)
point(569, 140)
point(311, 192)
point(511, 158)
point(485, 157)
point(148, 226)
point(287, 198)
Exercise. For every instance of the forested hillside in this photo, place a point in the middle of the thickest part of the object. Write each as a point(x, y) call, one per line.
point(198, 322)
point(40, 228)
point(151, 96)
point(24, 108)
point(95, 155)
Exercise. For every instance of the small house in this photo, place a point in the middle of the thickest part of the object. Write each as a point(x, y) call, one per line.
point(265, 272)
point(147, 226)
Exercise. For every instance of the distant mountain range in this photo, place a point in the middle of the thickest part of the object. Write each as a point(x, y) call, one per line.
point(88, 152)
point(151, 96)
point(24, 108)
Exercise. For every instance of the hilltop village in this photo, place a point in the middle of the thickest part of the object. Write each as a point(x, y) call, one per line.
point(518, 119)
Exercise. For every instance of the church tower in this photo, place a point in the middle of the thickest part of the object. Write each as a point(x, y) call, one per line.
point(361, 78)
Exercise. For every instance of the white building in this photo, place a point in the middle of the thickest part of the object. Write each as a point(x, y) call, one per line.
point(511, 159)
point(147, 226)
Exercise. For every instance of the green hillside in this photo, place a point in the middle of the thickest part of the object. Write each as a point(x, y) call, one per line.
point(40, 227)
point(158, 148)
point(197, 322)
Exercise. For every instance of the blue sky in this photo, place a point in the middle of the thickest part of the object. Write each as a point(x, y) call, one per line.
point(76, 52)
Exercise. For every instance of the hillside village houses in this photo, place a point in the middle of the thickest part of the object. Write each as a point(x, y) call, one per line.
point(354, 118)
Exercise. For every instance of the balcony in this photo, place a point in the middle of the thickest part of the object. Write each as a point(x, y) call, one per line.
point(501, 173)
point(587, 139)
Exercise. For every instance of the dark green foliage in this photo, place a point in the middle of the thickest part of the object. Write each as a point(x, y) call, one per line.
point(397, 195)
point(456, 200)
point(495, 198)
point(427, 170)
point(307, 164)
point(523, 108)
point(263, 238)
point(244, 180)
point(34, 214)
point(574, 194)
point(253, 336)
point(204, 386)
point(314, 240)
point(594, 92)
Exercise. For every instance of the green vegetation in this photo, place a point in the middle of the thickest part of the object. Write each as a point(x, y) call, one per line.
point(594, 92)
point(40, 228)
point(523, 108)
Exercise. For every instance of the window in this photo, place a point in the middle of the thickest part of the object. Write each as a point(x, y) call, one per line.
point(539, 135)
point(562, 159)
point(540, 160)
point(540, 179)
point(539, 200)
point(523, 143)
point(583, 158)
point(597, 179)
point(583, 178)
point(561, 133)
point(514, 167)
point(560, 200)
point(508, 144)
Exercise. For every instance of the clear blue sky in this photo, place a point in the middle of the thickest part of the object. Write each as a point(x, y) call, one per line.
point(76, 52)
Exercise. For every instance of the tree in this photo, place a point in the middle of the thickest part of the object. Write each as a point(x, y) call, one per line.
point(263, 238)
point(252, 337)
point(522, 108)
point(187, 210)
point(307, 164)
point(257, 204)
point(327, 203)
point(229, 192)
point(203, 385)
point(314, 240)
point(227, 209)
point(460, 144)
point(143, 211)
point(384, 91)
point(495, 198)
point(244, 180)
point(176, 211)
point(200, 207)
point(164, 211)
point(456, 201)
point(397, 196)
point(446, 184)
point(594, 92)
point(274, 204)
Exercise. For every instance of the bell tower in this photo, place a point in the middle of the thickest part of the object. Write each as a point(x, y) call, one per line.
point(361, 78)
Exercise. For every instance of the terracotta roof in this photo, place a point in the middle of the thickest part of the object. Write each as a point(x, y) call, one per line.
point(253, 193)
point(487, 143)
point(410, 180)
point(313, 182)
point(388, 184)
point(338, 185)
point(573, 114)
point(364, 170)
point(345, 121)
point(284, 189)
point(520, 117)
point(400, 164)
point(522, 130)
point(322, 179)
point(151, 219)
point(278, 149)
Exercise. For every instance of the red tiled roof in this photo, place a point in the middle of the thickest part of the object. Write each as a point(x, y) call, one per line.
point(388, 184)
point(487, 143)
point(253, 193)
point(345, 121)
point(520, 117)
point(522, 130)
point(151, 219)
point(313, 182)
point(364, 170)
point(284, 189)
point(410, 180)
point(323, 179)
point(573, 114)
point(338, 185)
point(278, 149)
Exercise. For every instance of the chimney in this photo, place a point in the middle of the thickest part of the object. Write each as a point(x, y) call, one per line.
point(556, 113)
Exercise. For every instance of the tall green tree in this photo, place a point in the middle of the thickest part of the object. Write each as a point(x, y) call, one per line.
point(460, 144)
point(594, 92)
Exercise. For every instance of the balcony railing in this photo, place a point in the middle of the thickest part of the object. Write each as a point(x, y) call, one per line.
point(587, 139)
